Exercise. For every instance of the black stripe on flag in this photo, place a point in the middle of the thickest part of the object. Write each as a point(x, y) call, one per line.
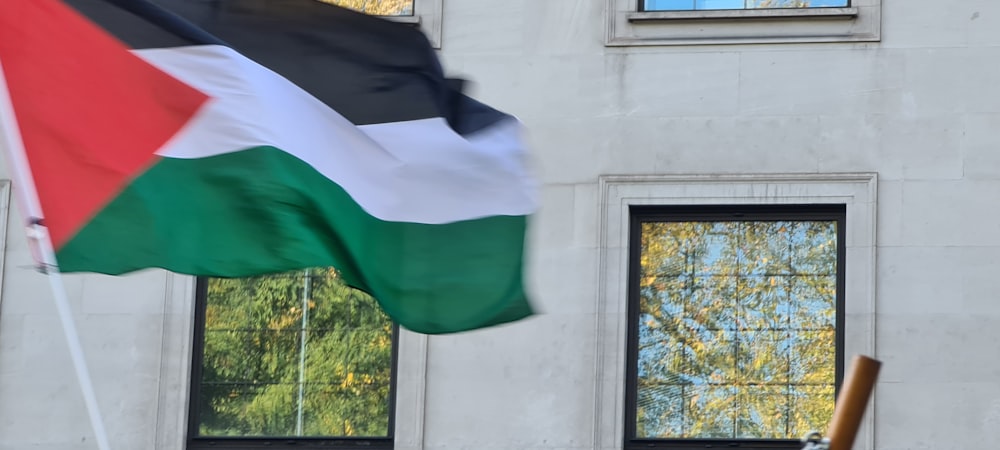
point(368, 69)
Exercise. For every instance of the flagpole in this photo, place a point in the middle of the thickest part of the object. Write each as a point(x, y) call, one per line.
point(10, 141)
point(72, 336)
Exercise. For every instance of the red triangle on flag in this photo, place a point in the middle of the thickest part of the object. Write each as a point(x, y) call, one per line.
point(91, 113)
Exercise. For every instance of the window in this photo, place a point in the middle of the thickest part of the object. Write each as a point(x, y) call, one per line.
point(694, 22)
point(290, 360)
point(691, 5)
point(668, 204)
point(424, 13)
point(735, 314)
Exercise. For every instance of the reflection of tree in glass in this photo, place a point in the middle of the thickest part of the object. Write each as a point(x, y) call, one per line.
point(377, 7)
point(251, 370)
point(736, 329)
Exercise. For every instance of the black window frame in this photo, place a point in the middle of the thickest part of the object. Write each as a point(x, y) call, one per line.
point(195, 442)
point(639, 214)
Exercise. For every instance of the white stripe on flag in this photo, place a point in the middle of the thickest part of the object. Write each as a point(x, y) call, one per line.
point(417, 171)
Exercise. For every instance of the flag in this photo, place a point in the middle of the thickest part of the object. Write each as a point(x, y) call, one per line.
point(246, 137)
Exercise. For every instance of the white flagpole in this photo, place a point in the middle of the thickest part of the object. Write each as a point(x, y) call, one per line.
point(13, 146)
point(72, 336)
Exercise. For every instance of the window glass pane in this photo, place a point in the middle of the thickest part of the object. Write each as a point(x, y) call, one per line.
point(692, 5)
point(377, 7)
point(296, 354)
point(736, 328)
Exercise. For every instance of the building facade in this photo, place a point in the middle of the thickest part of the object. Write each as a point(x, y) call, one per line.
point(886, 113)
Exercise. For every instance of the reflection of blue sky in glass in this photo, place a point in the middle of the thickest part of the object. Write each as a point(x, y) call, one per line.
point(691, 5)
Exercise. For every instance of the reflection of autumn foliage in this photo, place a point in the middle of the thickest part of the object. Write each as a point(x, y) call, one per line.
point(736, 328)
point(253, 328)
point(779, 4)
point(377, 7)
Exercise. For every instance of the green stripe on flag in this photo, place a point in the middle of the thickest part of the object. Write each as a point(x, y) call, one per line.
point(262, 210)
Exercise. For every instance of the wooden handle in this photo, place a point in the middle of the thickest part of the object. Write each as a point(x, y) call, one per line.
point(851, 402)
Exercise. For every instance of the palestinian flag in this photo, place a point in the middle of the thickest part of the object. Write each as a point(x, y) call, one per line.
point(247, 137)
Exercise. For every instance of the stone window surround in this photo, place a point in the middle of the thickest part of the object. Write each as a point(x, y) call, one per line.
point(175, 373)
point(628, 26)
point(858, 191)
point(426, 14)
point(4, 219)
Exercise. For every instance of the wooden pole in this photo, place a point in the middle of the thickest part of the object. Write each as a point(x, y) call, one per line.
point(851, 402)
